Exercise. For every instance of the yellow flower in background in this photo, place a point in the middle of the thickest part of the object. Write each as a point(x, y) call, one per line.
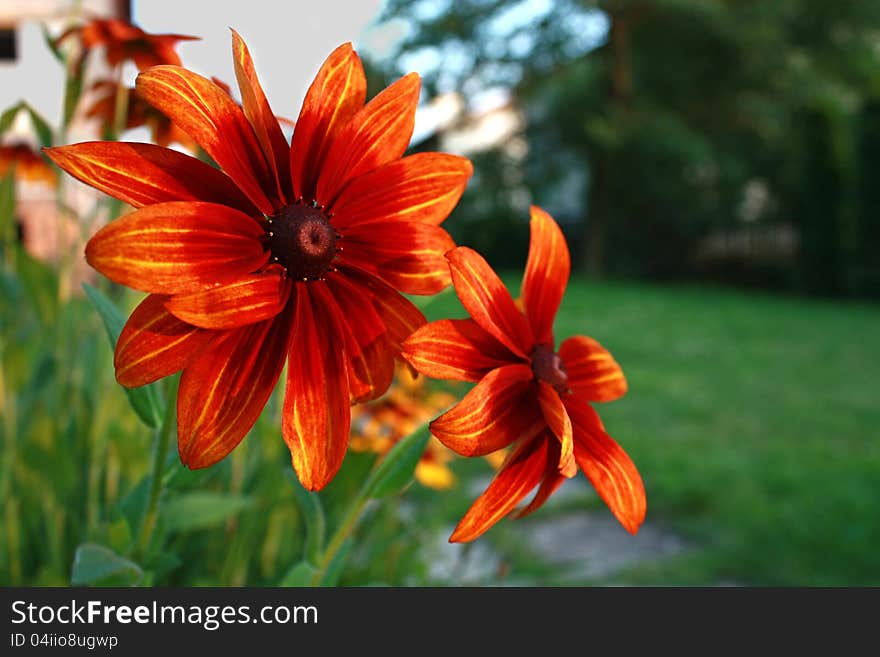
point(378, 425)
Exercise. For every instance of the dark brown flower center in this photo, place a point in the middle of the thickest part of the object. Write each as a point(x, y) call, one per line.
point(302, 241)
point(548, 367)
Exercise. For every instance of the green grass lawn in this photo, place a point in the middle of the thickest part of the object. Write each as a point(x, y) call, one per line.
point(754, 422)
point(752, 418)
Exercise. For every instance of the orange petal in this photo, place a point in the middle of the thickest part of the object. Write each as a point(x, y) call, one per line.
point(552, 480)
point(262, 119)
point(423, 187)
point(253, 298)
point(512, 483)
point(207, 114)
point(338, 92)
point(546, 276)
point(369, 350)
point(143, 174)
point(400, 316)
point(489, 303)
point(560, 425)
point(316, 416)
point(496, 412)
point(177, 247)
point(408, 255)
point(593, 374)
point(223, 391)
point(455, 349)
point(154, 344)
point(379, 133)
point(607, 466)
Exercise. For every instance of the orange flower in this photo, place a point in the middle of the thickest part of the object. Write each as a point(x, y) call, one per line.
point(528, 396)
point(379, 425)
point(27, 164)
point(287, 251)
point(138, 113)
point(123, 41)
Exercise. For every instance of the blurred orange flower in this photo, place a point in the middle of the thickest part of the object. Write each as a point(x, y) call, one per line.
point(123, 41)
point(28, 165)
point(287, 252)
point(379, 425)
point(138, 113)
point(528, 396)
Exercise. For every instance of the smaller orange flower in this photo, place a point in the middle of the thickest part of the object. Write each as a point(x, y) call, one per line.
point(27, 164)
point(528, 396)
point(138, 113)
point(123, 41)
point(379, 425)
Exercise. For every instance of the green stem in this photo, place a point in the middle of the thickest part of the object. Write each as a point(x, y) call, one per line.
point(163, 439)
point(346, 527)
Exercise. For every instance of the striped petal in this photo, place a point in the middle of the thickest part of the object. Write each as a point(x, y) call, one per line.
point(607, 466)
point(513, 482)
point(143, 174)
point(400, 316)
point(489, 303)
point(456, 349)
point(177, 247)
point(408, 255)
point(546, 276)
point(369, 350)
point(253, 298)
point(552, 480)
point(210, 116)
point(223, 391)
point(316, 417)
point(593, 374)
point(496, 412)
point(262, 120)
point(560, 425)
point(423, 187)
point(154, 344)
point(379, 133)
point(335, 96)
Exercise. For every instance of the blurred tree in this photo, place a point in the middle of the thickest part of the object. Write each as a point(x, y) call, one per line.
point(661, 113)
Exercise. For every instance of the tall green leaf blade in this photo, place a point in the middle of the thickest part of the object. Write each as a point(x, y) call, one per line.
point(96, 564)
point(313, 514)
point(144, 400)
point(396, 469)
point(300, 574)
point(41, 126)
point(201, 510)
point(8, 116)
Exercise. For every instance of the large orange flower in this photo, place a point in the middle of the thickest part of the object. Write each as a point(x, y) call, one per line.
point(123, 41)
point(293, 252)
point(528, 396)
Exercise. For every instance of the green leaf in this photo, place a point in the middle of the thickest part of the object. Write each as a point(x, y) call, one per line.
point(95, 564)
point(335, 568)
point(7, 209)
point(144, 400)
point(73, 88)
point(52, 45)
point(41, 126)
point(201, 510)
point(313, 513)
point(396, 469)
point(8, 116)
point(300, 574)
